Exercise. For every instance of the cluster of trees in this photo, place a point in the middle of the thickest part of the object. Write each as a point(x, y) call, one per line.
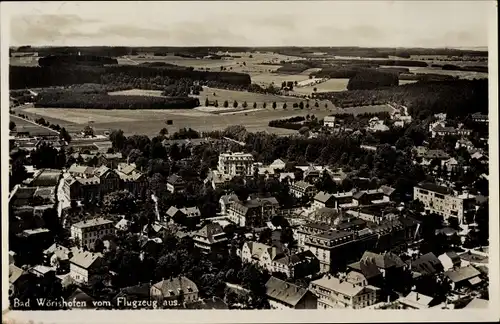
point(427, 77)
point(456, 98)
point(369, 80)
point(292, 68)
point(45, 76)
point(475, 68)
point(93, 60)
point(103, 101)
point(296, 123)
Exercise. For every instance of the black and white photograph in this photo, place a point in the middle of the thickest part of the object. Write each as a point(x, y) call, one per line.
point(261, 155)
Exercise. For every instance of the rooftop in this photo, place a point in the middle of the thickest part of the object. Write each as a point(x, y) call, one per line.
point(92, 222)
point(285, 292)
point(435, 188)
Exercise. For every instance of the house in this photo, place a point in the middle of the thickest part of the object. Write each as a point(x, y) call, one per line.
point(83, 265)
point(123, 225)
point(425, 265)
point(217, 179)
point(58, 256)
point(351, 291)
point(235, 164)
point(416, 300)
point(16, 277)
point(154, 230)
point(175, 184)
point(450, 165)
point(86, 232)
point(284, 295)
point(111, 160)
point(329, 121)
point(376, 125)
point(387, 263)
point(465, 143)
point(225, 202)
point(189, 216)
point(301, 189)
point(278, 164)
point(297, 265)
point(174, 292)
point(260, 254)
point(307, 229)
point(463, 277)
point(42, 271)
point(287, 177)
point(132, 179)
point(211, 239)
point(46, 178)
point(444, 201)
point(449, 260)
point(323, 199)
point(254, 212)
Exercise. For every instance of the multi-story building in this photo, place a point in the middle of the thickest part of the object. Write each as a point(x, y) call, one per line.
point(175, 183)
point(174, 292)
point(301, 189)
point(444, 201)
point(255, 212)
point(480, 118)
point(236, 164)
point(260, 254)
point(211, 239)
point(330, 247)
point(297, 265)
point(285, 295)
point(307, 229)
point(83, 265)
point(88, 231)
point(132, 179)
point(323, 199)
point(329, 121)
point(351, 291)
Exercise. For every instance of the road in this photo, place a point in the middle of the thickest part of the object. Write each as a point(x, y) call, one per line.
point(62, 200)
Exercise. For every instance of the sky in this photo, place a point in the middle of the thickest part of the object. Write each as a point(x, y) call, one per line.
point(251, 23)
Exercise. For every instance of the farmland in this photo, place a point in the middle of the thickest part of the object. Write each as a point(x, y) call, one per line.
point(34, 129)
point(149, 122)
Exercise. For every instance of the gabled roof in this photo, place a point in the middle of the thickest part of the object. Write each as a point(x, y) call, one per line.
point(79, 295)
point(417, 300)
point(302, 185)
point(297, 258)
point(387, 190)
point(85, 259)
point(383, 261)
point(368, 269)
point(340, 286)
point(15, 273)
point(213, 232)
point(461, 274)
point(427, 264)
point(257, 249)
point(174, 286)
point(477, 303)
point(323, 197)
point(435, 188)
point(92, 222)
point(285, 292)
point(175, 179)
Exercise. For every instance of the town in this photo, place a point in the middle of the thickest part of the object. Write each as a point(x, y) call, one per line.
point(375, 212)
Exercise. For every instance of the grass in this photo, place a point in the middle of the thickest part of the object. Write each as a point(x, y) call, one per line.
point(35, 130)
point(327, 86)
point(241, 96)
point(136, 92)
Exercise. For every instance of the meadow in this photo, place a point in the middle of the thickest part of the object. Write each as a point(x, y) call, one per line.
point(34, 129)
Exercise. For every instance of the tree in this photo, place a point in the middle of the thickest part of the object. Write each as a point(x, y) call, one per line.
point(284, 105)
point(254, 105)
point(316, 104)
point(12, 125)
point(264, 105)
point(164, 131)
point(119, 202)
point(315, 89)
point(117, 139)
point(244, 104)
point(235, 104)
point(64, 135)
point(216, 103)
point(301, 105)
point(307, 105)
point(19, 173)
point(274, 105)
point(226, 104)
point(303, 130)
point(206, 102)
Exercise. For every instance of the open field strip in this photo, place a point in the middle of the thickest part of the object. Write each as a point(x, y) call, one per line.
point(23, 125)
point(240, 111)
point(137, 92)
point(327, 86)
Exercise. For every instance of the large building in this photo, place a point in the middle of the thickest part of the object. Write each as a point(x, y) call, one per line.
point(235, 164)
point(255, 212)
point(211, 238)
point(285, 295)
point(174, 292)
point(88, 231)
point(444, 201)
point(301, 189)
point(260, 254)
point(83, 265)
point(351, 291)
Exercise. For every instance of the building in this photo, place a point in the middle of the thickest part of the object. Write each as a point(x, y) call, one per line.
point(301, 189)
point(387, 263)
point(225, 202)
point(186, 215)
point(83, 265)
point(416, 300)
point(132, 179)
point(464, 277)
point(297, 265)
point(174, 292)
point(58, 256)
point(87, 232)
point(376, 125)
point(260, 254)
point(307, 229)
point(278, 164)
point(254, 212)
point(443, 201)
point(46, 178)
point(88, 183)
point(175, 184)
point(351, 291)
point(284, 295)
point(236, 164)
point(329, 121)
point(211, 239)
point(323, 199)
point(450, 260)
point(331, 248)
point(478, 303)
point(425, 265)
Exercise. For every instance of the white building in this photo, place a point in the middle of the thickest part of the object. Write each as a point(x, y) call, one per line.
point(88, 231)
point(444, 201)
point(235, 164)
point(329, 121)
point(83, 265)
point(351, 291)
point(300, 189)
point(260, 254)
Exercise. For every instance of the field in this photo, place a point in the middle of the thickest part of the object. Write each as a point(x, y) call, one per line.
point(149, 122)
point(136, 92)
point(327, 86)
point(240, 96)
point(362, 109)
point(34, 129)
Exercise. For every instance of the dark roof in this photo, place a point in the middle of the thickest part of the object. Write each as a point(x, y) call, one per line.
point(461, 274)
point(368, 269)
point(175, 285)
point(284, 292)
point(323, 197)
point(175, 179)
point(436, 154)
point(435, 188)
point(137, 292)
point(358, 194)
point(387, 190)
point(212, 232)
point(297, 258)
point(384, 260)
point(427, 264)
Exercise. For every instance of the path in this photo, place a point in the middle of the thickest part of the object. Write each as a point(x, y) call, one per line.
point(32, 122)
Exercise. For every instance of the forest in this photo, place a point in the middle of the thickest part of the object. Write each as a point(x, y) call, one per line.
point(369, 80)
point(92, 60)
point(104, 101)
point(456, 98)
